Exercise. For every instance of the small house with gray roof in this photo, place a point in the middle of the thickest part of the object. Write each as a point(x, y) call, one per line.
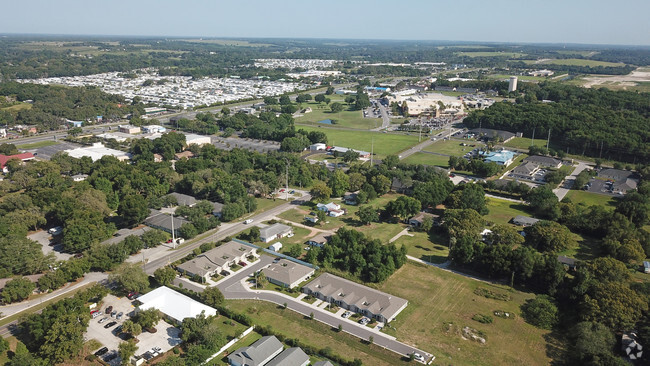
point(290, 357)
point(356, 297)
point(257, 354)
point(275, 231)
point(525, 171)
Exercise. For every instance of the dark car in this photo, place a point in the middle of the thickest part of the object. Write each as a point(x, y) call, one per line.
point(132, 295)
point(110, 324)
point(109, 309)
point(110, 357)
point(101, 351)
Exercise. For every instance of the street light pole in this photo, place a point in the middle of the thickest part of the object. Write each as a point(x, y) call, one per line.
point(286, 181)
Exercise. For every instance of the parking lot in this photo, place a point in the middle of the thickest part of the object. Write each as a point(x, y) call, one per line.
point(600, 186)
point(49, 245)
point(261, 146)
point(46, 152)
point(166, 337)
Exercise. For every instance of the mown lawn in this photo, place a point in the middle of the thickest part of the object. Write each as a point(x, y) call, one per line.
point(453, 147)
point(428, 247)
point(347, 118)
point(592, 199)
point(524, 143)
point(384, 143)
point(37, 145)
point(492, 54)
point(575, 62)
point(428, 159)
point(502, 211)
point(314, 333)
point(441, 303)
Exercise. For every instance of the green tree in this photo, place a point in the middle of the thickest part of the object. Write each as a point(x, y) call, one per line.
point(590, 341)
point(367, 214)
point(336, 107)
point(544, 202)
point(390, 161)
point(356, 181)
point(339, 183)
point(403, 207)
point(549, 236)
point(505, 235)
point(130, 277)
point(433, 192)
point(540, 312)
point(381, 184)
point(64, 339)
point(295, 250)
point(164, 275)
point(613, 304)
point(127, 350)
point(461, 223)
point(320, 192)
point(17, 289)
point(147, 318)
point(212, 296)
point(132, 328)
point(468, 196)
point(350, 156)
point(133, 209)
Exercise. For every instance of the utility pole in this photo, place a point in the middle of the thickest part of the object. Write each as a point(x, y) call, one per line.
point(532, 139)
point(548, 139)
point(286, 181)
point(173, 236)
point(372, 149)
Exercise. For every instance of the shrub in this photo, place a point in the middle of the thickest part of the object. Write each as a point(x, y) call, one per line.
point(485, 319)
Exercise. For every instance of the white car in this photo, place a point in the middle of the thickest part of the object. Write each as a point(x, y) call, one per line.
point(418, 357)
point(346, 314)
point(248, 221)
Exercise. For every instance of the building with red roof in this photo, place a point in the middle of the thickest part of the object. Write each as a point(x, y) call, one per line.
point(22, 157)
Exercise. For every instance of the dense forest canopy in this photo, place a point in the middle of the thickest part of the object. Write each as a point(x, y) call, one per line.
point(594, 122)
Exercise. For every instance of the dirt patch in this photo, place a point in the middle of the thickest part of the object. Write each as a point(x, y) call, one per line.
point(631, 79)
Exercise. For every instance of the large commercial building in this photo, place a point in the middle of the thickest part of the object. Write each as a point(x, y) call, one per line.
point(355, 297)
point(98, 151)
point(174, 305)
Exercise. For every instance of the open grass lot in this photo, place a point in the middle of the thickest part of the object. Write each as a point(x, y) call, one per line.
point(347, 118)
point(492, 54)
point(314, 333)
point(384, 143)
point(428, 247)
point(591, 199)
point(453, 147)
point(37, 145)
point(501, 211)
point(442, 303)
point(17, 107)
point(519, 77)
point(428, 159)
point(264, 204)
point(524, 143)
point(573, 62)
point(588, 248)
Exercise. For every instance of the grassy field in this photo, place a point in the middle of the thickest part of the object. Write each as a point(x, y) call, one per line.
point(442, 303)
point(592, 199)
point(501, 211)
point(574, 62)
point(452, 147)
point(492, 54)
point(588, 248)
point(37, 145)
point(519, 77)
point(17, 107)
point(428, 247)
point(347, 118)
point(314, 333)
point(384, 143)
point(524, 143)
point(428, 159)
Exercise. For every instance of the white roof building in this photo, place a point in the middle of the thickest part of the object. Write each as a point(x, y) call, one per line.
point(98, 151)
point(191, 138)
point(174, 304)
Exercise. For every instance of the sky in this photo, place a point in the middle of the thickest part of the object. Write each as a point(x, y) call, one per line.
point(517, 21)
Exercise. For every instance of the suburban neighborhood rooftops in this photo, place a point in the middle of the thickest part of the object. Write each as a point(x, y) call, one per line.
point(257, 353)
point(274, 230)
point(525, 169)
point(290, 357)
point(286, 271)
point(323, 363)
point(215, 258)
point(321, 238)
point(615, 174)
point(174, 304)
point(361, 296)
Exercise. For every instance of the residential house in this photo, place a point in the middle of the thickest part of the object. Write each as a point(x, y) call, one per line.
point(417, 220)
point(356, 297)
point(545, 161)
point(183, 199)
point(290, 357)
point(317, 147)
point(157, 158)
point(521, 220)
point(402, 186)
point(312, 219)
point(79, 177)
point(525, 171)
point(319, 240)
point(275, 247)
point(286, 273)
point(350, 198)
point(184, 155)
point(336, 213)
point(328, 207)
point(275, 231)
point(217, 209)
point(257, 354)
point(570, 263)
point(216, 260)
point(163, 221)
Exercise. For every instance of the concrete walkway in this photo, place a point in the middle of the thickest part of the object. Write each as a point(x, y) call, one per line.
point(401, 233)
point(445, 267)
point(569, 181)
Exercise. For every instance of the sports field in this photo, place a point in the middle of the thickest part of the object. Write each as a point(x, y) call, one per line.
point(453, 147)
point(442, 303)
point(384, 143)
point(428, 159)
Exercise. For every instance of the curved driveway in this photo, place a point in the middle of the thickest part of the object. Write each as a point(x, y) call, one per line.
point(234, 289)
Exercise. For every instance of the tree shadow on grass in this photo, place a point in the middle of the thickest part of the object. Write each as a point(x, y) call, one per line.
point(556, 348)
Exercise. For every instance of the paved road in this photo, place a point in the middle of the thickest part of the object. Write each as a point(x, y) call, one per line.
point(425, 143)
point(225, 230)
point(385, 121)
point(232, 288)
point(569, 181)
